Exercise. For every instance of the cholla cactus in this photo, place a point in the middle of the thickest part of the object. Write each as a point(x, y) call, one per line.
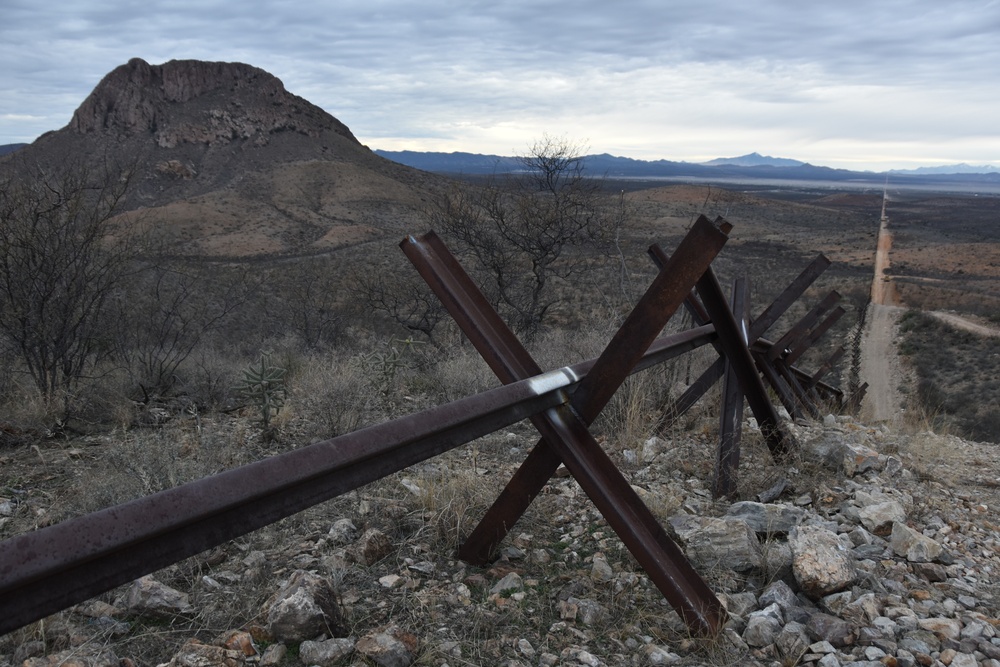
point(264, 386)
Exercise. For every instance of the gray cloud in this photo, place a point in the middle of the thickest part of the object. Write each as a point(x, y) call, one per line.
point(846, 83)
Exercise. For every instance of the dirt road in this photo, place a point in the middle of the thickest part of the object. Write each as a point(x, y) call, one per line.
point(960, 322)
point(880, 367)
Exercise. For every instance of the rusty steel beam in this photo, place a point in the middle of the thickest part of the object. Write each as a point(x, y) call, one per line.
point(56, 567)
point(784, 393)
point(731, 337)
point(59, 566)
point(53, 568)
point(788, 296)
point(784, 345)
point(731, 416)
point(801, 395)
point(760, 349)
point(814, 335)
point(473, 313)
point(564, 434)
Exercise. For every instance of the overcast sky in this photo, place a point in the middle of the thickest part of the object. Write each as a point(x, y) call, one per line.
point(857, 84)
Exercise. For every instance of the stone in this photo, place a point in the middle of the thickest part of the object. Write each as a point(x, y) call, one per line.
point(943, 628)
point(820, 561)
point(197, 654)
point(326, 653)
point(762, 629)
point(964, 660)
point(372, 547)
point(767, 518)
point(600, 570)
point(712, 543)
point(879, 518)
point(303, 608)
point(836, 631)
point(274, 655)
point(908, 543)
point(653, 655)
point(588, 612)
point(651, 448)
point(856, 459)
point(793, 641)
point(390, 647)
point(149, 597)
point(510, 582)
point(780, 593)
point(862, 611)
point(342, 532)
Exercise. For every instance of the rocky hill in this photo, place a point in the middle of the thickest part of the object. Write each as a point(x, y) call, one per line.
point(229, 163)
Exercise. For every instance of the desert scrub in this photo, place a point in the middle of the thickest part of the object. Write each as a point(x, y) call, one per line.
point(956, 375)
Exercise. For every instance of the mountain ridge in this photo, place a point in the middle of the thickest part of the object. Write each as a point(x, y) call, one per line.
point(612, 166)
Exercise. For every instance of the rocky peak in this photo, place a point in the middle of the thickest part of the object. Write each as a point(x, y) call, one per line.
point(197, 102)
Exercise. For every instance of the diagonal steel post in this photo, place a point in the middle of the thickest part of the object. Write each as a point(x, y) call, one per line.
point(565, 436)
point(731, 415)
point(770, 372)
point(783, 346)
point(738, 353)
point(814, 335)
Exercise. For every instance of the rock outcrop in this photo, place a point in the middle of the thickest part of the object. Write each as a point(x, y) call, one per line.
point(197, 102)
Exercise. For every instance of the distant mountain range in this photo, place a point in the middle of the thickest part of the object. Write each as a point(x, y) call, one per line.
point(961, 168)
point(753, 165)
point(754, 160)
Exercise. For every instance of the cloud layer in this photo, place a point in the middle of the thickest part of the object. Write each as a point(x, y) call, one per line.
point(851, 83)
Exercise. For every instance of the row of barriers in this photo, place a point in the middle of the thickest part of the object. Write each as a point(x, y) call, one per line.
point(56, 567)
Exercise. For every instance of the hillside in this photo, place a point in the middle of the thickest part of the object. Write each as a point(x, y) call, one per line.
point(231, 164)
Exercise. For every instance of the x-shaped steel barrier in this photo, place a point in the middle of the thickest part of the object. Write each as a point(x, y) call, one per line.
point(55, 567)
point(565, 438)
point(743, 341)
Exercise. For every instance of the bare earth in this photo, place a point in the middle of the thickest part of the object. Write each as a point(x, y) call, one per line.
point(960, 322)
point(880, 366)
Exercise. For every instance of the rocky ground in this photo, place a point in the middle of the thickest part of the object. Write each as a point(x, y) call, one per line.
point(880, 550)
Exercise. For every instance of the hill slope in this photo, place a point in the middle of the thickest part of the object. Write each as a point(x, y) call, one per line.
point(230, 163)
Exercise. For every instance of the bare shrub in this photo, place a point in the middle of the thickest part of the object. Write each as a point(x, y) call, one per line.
point(65, 251)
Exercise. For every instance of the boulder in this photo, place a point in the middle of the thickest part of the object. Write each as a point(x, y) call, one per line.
point(821, 563)
point(713, 543)
point(149, 597)
point(909, 544)
point(303, 608)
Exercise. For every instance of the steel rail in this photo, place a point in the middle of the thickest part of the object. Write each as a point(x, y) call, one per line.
point(56, 567)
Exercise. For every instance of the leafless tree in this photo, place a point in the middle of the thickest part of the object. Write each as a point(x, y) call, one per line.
point(165, 314)
point(526, 233)
point(408, 303)
point(309, 306)
point(65, 249)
